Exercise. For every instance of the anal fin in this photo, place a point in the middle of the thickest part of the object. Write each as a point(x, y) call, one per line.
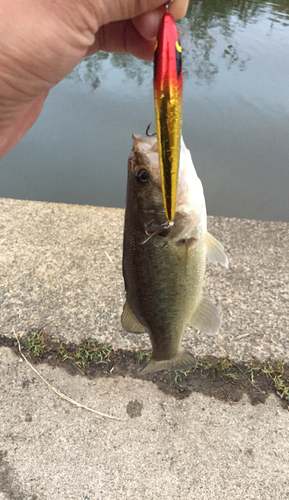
point(206, 318)
point(182, 361)
point(215, 251)
point(129, 321)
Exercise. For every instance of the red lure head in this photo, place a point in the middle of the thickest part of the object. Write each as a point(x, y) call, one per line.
point(168, 54)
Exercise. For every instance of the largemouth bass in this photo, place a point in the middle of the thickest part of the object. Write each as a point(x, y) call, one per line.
point(164, 264)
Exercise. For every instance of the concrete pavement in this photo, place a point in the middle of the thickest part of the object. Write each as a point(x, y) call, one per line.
point(60, 269)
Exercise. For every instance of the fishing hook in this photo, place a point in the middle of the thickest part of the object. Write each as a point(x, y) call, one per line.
point(146, 225)
point(147, 131)
point(166, 225)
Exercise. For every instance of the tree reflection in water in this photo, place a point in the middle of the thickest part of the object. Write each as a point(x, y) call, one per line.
point(208, 37)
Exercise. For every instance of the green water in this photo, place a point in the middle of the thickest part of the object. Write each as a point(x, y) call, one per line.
point(236, 118)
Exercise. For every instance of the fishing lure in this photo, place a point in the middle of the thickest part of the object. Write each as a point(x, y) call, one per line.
point(168, 97)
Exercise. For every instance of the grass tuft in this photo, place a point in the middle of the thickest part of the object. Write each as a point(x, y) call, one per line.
point(222, 367)
point(141, 355)
point(35, 343)
point(276, 373)
point(89, 352)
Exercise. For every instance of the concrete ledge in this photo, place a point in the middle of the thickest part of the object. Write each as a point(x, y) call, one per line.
point(61, 266)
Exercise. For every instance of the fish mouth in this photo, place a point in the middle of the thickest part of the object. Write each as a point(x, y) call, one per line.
point(156, 218)
point(162, 230)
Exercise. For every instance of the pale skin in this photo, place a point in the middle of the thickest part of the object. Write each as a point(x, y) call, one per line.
point(43, 40)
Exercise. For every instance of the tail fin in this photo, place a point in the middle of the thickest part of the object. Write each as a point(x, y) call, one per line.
point(183, 361)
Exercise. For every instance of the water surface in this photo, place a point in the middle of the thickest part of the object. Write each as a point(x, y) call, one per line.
point(236, 118)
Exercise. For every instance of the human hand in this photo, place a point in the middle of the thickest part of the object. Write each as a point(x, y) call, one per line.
point(42, 41)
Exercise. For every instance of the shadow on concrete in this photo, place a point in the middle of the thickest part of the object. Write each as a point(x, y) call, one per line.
point(218, 378)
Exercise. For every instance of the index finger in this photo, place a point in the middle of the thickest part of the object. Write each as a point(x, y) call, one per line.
point(178, 8)
point(147, 24)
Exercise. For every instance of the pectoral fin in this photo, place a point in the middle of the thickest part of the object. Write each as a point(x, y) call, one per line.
point(129, 321)
point(206, 318)
point(215, 251)
point(182, 361)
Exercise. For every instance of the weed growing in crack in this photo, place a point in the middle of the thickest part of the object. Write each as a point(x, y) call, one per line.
point(218, 368)
point(89, 352)
point(276, 373)
point(35, 344)
point(141, 355)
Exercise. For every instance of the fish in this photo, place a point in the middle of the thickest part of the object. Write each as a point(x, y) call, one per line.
point(168, 96)
point(164, 264)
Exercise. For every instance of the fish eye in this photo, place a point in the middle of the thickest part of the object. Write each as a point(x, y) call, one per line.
point(142, 176)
